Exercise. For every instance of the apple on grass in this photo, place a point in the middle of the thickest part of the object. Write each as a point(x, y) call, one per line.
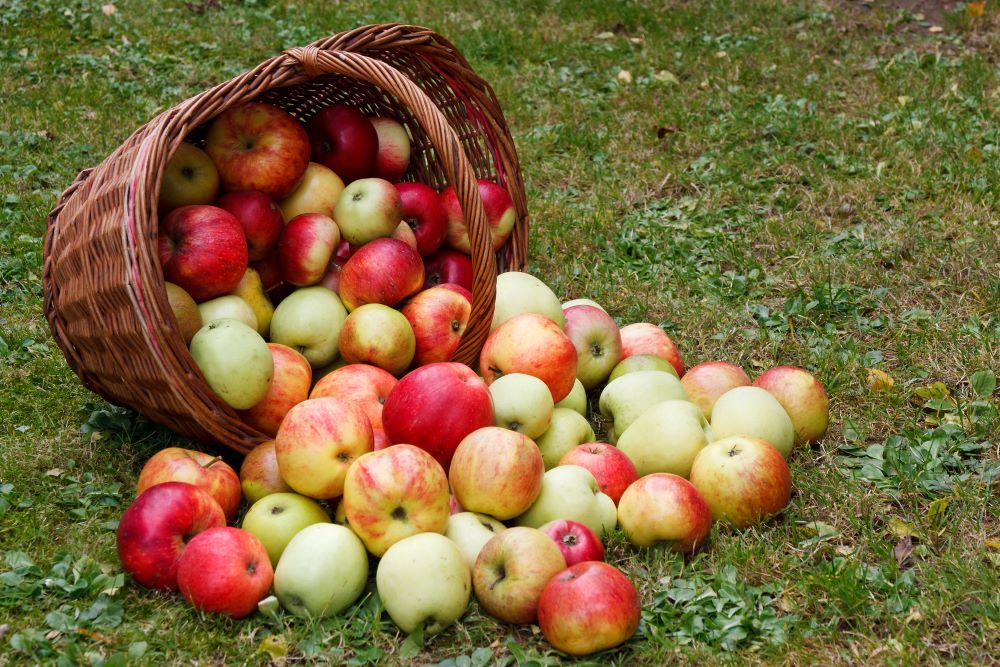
point(317, 192)
point(365, 386)
point(577, 542)
point(425, 215)
point(803, 397)
point(190, 177)
point(251, 290)
point(378, 335)
point(203, 250)
point(610, 466)
point(522, 403)
point(531, 344)
point(393, 156)
point(500, 215)
point(383, 271)
point(511, 571)
point(664, 509)
point(448, 266)
point(260, 218)
point(624, 399)
point(754, 412)
point(305, 248)
point(322, 571)
point(368, 209)
point(289, 387)
point(185, 311)
point(567, 430)
point(707, 381)
point(224, 571)
point(470, 531)
point(571, 492)
point(235, 361)
point(497, 472)
point(275, 519)
point(642, 362)
point(230, 307)
point(259, 473)
point(576, 400)
point(209, 473)
point(666, 438)
point(647, 338)
point(438, 317)
point(597, 341)
point(309, 321)
point(344, 140)
point(518, 293)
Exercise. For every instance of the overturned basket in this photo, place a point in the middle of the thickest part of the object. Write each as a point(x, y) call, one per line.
point(104, 294)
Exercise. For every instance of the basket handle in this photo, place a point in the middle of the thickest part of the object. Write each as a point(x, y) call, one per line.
point(314, 61)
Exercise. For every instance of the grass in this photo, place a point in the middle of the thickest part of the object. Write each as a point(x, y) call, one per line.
point(811, 183)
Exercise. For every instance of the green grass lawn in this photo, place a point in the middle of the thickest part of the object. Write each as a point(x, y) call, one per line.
point(809, 182)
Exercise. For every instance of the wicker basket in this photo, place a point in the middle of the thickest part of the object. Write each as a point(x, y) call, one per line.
point(104, 295)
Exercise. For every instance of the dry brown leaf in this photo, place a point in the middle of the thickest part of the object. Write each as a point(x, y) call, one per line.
point(624, 76)
point(975, 9)
point(108, 9)
point(902, 551)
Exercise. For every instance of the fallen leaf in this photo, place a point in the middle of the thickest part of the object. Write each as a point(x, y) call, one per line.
point(108, 10)
point(624, 76)
point(604, 35)
point(975, 9)
point(664, 131)
point(937, 509)
point(54, 472)
point(914, 615)
point(901, 528)
point(637, 40)
point(879, 382)
point(904, 100)
point(975, 154)
point(275, 646)
point(992, 543)
point(902, 551)
point(935, 29)
point(666, 76)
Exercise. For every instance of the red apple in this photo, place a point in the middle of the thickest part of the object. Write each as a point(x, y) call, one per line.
point(705, 382)
point(597, 341)
point(305, 248)
point(153, 530)
point(438, 317)
point(257, 146)
point(425, 214)
point(647, 338)
point(611, 467)
point(663, 508)
point(393, 148)
point(259, 473)
point(448, 266)
point(289, 387)
point(497, 472)
point(803, 397)
point(269, 270)
point(261, 219)
point(365, 386)
point(435, 406)
point(224, 571)
point(500, 214)
point(589, 607)
point(190, 177)
point(454, 506)
point(209, 473)
point(202, 249)
point(344, 140)
point(534, 345)
point(378, 335)
point(384, 271)
point(457, 289)
point(577, 542)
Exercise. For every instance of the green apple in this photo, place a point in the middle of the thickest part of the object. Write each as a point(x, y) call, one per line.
point(666, 438)
point(753, 412)
point(322, 571)
point(567, 429)
point(235, 360)
point(577, 399)
point(229, 306)
point(470, 531)
point(309, 320)
point(627, 397)
point(641, 362)
point(190, 177)
point(582, 302)
point(522, 403)
point(571, 492)
point(251, 290)
point(276, 518)
point(519, 293)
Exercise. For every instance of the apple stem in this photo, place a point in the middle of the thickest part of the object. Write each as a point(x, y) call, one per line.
point(211, 463)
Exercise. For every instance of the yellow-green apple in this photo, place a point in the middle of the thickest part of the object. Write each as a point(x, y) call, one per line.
point(155, 528)
point(511, 571)
point(571, 492)
point(305, 248)
point(189, 178)
point(642, 362)
point(424, 582)
point(705, 382)
point(425, 215)
point(365, 386)
point(597, 341)
point(317, 442)
point(202, 249)
point(755, 412)
point(289, 387)
point(378, 335)
point(499, 209)
point(610, 466)
point(627, 397)
point(581, 302)
point(532, 344)
point(317, 192)
point(257, 146)
point(322, 571)
point(576, 400)
point(647, 338)
point(185, 311)
point(470, 531)
point(393, 155)
point(497, 472)
point(251, 290)
point(664, 509)
point(577, 542)
point(235, 361)
point(382, 271)
point(744, 480)
point(260, 217)
point(438, 317)
point(368, 209)
point(209, 473)
point(803, 397)
point(309, 320)
point(229, 306)
point(344, 140)
point(567, 430)
point(278, 517)
point(522, 403)
point(224, 571)
point(339, 515)
point(259, 473)
point(435, 406)
point(404, 233)
point(589, 607)
point(394, 493)
point(519, 293)
point(666, 438)
point(448, 266)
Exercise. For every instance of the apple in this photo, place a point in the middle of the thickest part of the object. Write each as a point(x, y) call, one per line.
point(642, 362)
point(306, 246)
point(259, 473)
point(224, 570)
point(275, 519)
point(368, 209)
point(230, 307)
point(457, 289)
point(647, 338)
point(404, 233)
point(309, 320)
point(435, 406)
point(511, 571)
point(424, 213)
point(522, 403)
point(153, 530)
point(754, 412)
point(393, 155)
point(576, 400)
point(567, 430)
point(190, 177)
point(209, 473)
point(499, 209)
point(317, 192)
point(610, 466)
point(448, 266)
point(519, 293)
point(664, 509)
point(257, 146)
point(424, 582)
point(803, 397)
point(470, 531)
point(322, 571)
point(576, 542)
point(251, 290)
point(394, 493)
point(260, 218)
point(744, 480)
point(289, 387)
point(705, 382)
point(383, 271)
point(582, 302)
point(185, 311)
point(235, 362)
point(378, 335)
point(317, 442)
point(202, 249)
point(571, 492)
point(624, 399)
point(597, 341)
point(269, 270)
point(666, 438)
point(344, 140)
point(365, 386)
point(531, 344)
point(438, 317)
point(589, 607)
point(496, 472)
